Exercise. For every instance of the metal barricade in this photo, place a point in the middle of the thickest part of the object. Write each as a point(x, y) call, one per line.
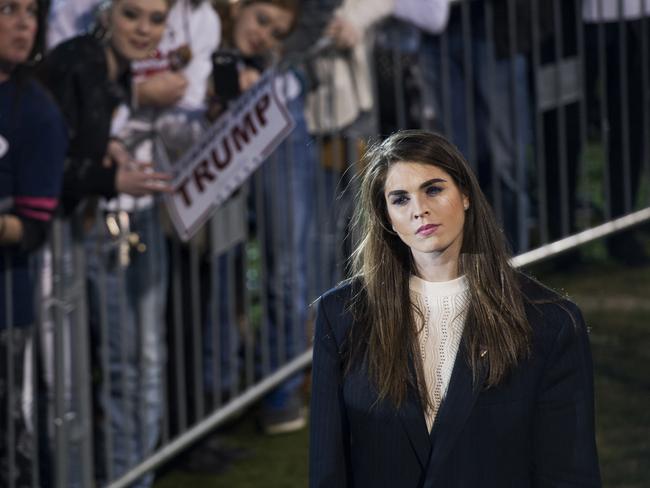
point(46, 419)
point(146, 343)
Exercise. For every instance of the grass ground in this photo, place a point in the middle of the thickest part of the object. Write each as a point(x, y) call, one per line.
point(616, 304)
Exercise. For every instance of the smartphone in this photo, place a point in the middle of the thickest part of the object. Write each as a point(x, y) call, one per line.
point(225, 76)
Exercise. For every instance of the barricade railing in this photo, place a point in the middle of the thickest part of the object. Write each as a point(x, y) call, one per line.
point(145, 344)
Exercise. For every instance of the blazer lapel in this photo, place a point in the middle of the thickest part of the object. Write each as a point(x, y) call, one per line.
point(412, 418)
point(453, 413)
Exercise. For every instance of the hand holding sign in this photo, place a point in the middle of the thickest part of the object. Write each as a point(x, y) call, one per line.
point(116, 153)
point(139, 180)
point(227, 154)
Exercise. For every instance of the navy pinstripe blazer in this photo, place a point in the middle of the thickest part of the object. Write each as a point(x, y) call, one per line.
point(534, 430)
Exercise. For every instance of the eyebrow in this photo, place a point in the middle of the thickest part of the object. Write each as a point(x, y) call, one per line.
point(424, 185)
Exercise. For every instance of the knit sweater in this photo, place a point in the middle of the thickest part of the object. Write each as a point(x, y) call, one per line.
point(440, 328)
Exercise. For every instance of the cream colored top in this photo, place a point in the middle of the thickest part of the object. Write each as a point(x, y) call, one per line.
point(444, 307)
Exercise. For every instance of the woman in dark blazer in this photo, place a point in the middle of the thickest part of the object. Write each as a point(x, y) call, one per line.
point(438, 364)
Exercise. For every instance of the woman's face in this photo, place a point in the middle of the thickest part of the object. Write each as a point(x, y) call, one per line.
point(426, 209)
point(260, 27)
point(18, 25)
point(136, 26)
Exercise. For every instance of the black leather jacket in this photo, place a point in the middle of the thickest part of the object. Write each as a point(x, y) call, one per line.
point(76, 73)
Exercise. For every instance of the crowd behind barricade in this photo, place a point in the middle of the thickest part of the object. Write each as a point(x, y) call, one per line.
point(99, 99)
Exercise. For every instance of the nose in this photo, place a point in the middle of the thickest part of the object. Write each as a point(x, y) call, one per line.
point(419, 210)
point(25, 19)
point(144, 25)
point(264, 42)
point(267, 40)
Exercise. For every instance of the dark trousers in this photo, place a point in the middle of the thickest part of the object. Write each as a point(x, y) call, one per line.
point(16, 450)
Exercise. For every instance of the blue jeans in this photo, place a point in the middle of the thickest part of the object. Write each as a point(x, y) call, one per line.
point(223, 296)
point(285, 227)
point(288, 217)
point(501, 119)
point(134, 330)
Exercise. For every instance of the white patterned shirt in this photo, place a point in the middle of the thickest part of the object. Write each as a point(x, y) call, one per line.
point(444, 307)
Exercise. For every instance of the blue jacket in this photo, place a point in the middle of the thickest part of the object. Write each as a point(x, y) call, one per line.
point(534, 430)
point(33, 143)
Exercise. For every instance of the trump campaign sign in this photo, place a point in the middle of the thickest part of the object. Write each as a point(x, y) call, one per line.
point(226, 154)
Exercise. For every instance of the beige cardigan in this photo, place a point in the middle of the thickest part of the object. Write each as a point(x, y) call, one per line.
point(345, 81)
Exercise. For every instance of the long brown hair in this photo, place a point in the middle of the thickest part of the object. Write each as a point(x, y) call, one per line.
point(224, 7)
point(384, 332)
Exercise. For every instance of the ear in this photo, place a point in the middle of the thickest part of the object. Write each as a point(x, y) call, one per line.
point(465, 202)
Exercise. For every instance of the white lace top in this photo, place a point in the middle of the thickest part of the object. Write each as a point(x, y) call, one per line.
point(444, 306)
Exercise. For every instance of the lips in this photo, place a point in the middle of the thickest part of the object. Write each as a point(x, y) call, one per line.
point(139, 45)
point(19, 50)
point(21, 43)
point(427, 229)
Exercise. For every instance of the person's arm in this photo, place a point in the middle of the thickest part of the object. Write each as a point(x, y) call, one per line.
point(312, 21)
point(85, 175)
point(67, 79)
point(564, 443)
point(22, 233)
point(160, 90)
point(363, 14)
point(11, 230)
point(329, 436)
point(188, 86)
point(350, 23)
point(37, 181)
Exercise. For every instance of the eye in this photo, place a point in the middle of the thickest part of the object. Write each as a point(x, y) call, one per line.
point(33, 10)
point(129, 13)
point(158, 18)
point(263, 19)
point(7, 8)
point(433, 190)
point(399, 200)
